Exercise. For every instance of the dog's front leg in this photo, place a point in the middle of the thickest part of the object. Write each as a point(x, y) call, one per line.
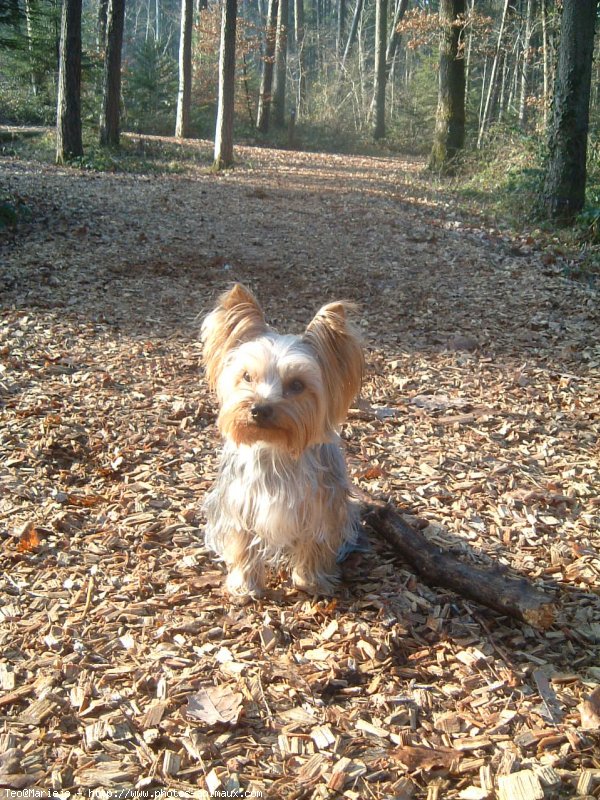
point(314, 568)
point(245, 568)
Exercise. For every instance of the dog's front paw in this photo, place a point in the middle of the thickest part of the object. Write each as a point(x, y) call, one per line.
point(243, 587)
point(315, 584)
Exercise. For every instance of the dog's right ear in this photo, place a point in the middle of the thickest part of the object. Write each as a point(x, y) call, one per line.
point(237, 318)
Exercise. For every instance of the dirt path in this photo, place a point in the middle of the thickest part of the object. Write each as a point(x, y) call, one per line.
point(479, 413)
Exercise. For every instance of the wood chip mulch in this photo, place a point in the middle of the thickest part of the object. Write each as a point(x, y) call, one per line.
point(123, 665)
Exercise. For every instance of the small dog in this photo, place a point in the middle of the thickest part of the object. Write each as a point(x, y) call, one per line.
point(282, 494)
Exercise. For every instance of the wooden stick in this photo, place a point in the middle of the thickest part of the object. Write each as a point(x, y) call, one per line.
point(489, 586)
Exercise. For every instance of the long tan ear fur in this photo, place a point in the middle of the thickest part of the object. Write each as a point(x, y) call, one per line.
point(237, 318)
point(339, 351)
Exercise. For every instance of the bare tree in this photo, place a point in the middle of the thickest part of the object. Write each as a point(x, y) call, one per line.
point(300, 51)
point(449, 133)
point(526, 63)
point(266, 78)
point(380, 68)
point(564, 188)
point(68, 113)
point(224, 129)
point(353, 29)
point(29, 15)
point(394, 37)
point(341, 24)
point(493, 76)
point(279, 76)
point(111, 95)
point(184, 95)
point(101, 25)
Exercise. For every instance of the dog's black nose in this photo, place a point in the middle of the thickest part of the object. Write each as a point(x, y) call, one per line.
point(261, 413)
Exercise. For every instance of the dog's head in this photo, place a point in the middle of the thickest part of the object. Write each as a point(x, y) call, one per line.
point(281, 390)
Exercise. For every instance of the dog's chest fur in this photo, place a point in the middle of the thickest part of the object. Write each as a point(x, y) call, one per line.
point(283, 500)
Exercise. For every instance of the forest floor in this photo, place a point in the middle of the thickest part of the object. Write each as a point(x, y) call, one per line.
point(123, 664)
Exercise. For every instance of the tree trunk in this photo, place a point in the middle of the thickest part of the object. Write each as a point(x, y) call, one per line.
point(224, 130)
point(101, 25)
point(341, 24)
point(300, 45)
point(380, 69)
point(280, 71)
point(111, 95)
point(184, 95)
point(449, 136)
point(546, 62)
point(29, 14)
point(526, 65)
point(394, 38)
point(482, 95)
point(502, 104)
point(493, 74)
point(266, 79)
point(353, 30)
point(564, 188)
point(469, 46)
point(68, 113)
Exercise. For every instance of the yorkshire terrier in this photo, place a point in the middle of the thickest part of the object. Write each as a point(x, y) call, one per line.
point(282, 495)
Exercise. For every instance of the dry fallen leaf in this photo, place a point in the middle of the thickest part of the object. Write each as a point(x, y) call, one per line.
point(426, 758)
point(28, 540)
point(215, 705)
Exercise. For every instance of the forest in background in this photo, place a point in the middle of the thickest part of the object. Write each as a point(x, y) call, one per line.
point(327, 93)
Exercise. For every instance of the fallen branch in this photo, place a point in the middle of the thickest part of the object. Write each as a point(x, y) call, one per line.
point(490, 587)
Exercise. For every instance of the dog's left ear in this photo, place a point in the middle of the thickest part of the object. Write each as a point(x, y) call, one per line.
point(237, 318)
point(339, 351)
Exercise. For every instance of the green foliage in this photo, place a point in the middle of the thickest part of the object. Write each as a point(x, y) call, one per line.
point(504, 179)
point(588, 220)
point(8, 213)
point(28, 63)
point(150, 89)
point(29, 66)
point(412, 117)
point(13, 210)
point(137, 155)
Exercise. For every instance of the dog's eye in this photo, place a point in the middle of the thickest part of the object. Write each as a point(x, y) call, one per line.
point(296, 386)
point(247, 377)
